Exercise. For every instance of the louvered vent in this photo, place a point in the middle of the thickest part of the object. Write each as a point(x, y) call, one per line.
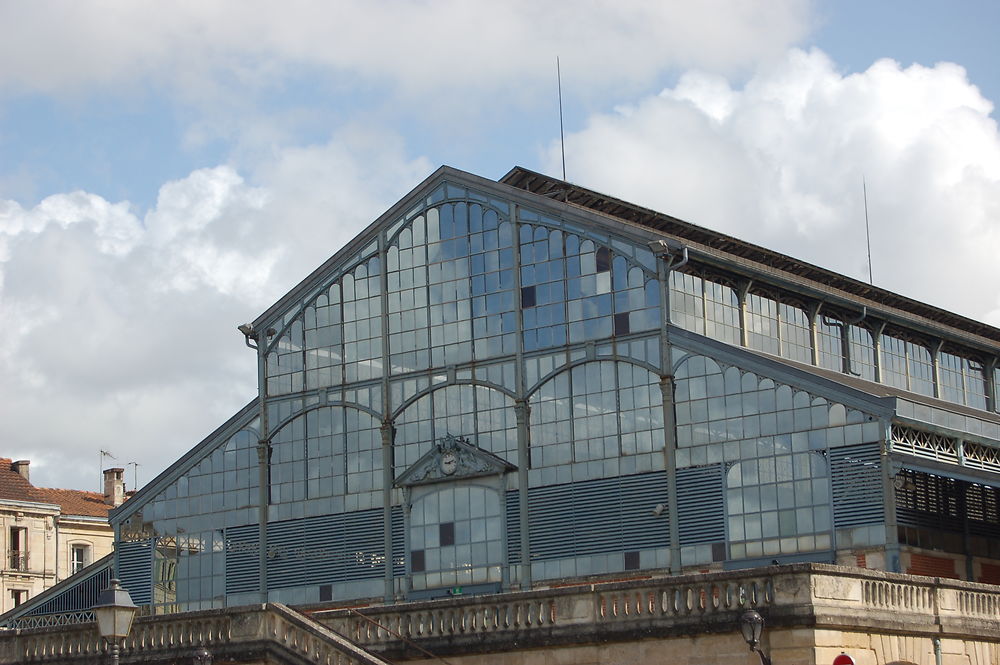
point(398, 542)
point(513, 528)
point(242, 563)
point(79, 597)
point(135, 569)
point(598, 516)
point(982, 506)
point(933, 502)
point(857, 485)
point(700, 508)
point(325, 549)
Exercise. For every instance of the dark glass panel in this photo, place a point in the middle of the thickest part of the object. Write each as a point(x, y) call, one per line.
point(527, 296)
point(447, 533)
point(417, 561)
point(621, 324)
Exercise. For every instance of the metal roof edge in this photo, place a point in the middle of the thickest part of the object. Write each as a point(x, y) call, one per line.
point(522, 178)
point(42, 597)
point(442, 173)
point(234, 424)
point(803, 379)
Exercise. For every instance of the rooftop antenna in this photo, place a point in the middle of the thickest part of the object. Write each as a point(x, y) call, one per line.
point(100, 468)
point(135, 474)
point(562, 138)
point(868, 233)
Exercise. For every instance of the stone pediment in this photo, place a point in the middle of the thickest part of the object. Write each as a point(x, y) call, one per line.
point(452, 457)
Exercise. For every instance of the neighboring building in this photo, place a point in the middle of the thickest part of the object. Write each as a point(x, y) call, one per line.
point(500, 386)
point(49, 534)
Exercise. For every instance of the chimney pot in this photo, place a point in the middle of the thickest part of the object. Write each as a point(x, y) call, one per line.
point(21, 467)
point(114, 487)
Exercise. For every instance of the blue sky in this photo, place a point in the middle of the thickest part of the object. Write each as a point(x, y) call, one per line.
point(124, 142)
point(168, 171)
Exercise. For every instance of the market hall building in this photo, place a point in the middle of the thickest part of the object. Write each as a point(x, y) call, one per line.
point(524, 384)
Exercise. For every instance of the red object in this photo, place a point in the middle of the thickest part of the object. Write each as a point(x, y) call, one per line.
point(843, 659)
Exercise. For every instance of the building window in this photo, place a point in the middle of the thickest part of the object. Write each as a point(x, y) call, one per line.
point(778, 504)
point(456, 538)
point(762, 324)
point(17, 596)
point(79, 557)
point(17, 555)
point(907, 365)
point(705, 307)
point(796, 333)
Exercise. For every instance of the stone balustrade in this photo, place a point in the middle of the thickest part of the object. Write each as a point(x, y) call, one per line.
point(271, 628)
point(555, 614)
point(817, 596)
point(787, 596)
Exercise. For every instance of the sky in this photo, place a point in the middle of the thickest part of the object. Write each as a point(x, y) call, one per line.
point(167, 171)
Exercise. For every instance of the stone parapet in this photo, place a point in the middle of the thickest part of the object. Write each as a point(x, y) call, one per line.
point(815, 596)
point(270, 633)
point(813, 611)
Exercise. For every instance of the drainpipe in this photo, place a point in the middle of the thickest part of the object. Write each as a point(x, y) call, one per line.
point(55, 528)
point(845, 341)
point(938, 658)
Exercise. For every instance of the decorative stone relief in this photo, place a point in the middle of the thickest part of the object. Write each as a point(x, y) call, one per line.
point(452, 457)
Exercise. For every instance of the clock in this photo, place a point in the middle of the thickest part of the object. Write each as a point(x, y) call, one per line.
point(449, 463)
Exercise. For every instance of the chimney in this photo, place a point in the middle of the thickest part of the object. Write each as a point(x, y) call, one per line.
point(21, 467)
point(114, 487)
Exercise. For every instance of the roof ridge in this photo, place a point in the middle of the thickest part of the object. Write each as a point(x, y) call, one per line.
point(68, 489)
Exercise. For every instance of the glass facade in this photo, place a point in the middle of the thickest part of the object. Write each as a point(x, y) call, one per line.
point(456, 538)
point(539, 339)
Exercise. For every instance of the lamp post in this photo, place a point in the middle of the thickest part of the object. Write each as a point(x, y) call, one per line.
point(752, 625)
point(114, 611)
point(202, 656)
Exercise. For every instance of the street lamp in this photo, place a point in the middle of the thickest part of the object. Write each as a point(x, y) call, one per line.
point(114, 611)
point(202, 656)
point(752, 625)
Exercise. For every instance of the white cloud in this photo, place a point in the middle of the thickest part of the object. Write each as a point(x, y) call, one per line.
point(120, 331)
point(464, 48)
point(780, 163)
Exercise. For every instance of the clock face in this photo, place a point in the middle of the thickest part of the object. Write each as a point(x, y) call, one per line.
point(449, 463)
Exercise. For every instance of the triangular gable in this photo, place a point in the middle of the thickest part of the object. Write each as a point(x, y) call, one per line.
point(451, 458)
point(305, 289)
point(357, 250)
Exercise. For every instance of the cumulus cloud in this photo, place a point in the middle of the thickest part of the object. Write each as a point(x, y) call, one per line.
point(780, 162)
point(417, 47)
point(120, 329)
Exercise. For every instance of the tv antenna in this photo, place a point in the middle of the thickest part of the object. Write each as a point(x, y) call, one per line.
point(135, 474)
point(562, 137)
point(868, 233)
point(100, 467)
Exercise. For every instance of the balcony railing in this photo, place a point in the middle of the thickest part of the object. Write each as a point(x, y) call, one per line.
point(17, 560)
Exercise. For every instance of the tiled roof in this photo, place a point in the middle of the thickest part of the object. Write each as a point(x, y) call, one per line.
point(76, 502)
point(13, 485)
point(72, 502)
